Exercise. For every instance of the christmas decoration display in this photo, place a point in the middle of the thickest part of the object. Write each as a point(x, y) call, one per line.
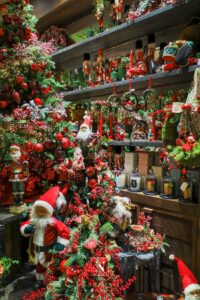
point(191, 287)
point(48, 232)
point(57, 36)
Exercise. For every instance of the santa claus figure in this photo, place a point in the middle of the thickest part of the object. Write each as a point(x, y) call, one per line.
point(85, 133)
point(18, 173)
point(47, 232)
point(190, 284)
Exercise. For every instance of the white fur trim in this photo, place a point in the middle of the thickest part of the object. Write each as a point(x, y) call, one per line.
point(62, 241)
point(172, 257)
point(60, 201)
point(22, 228)
point(191, 288)
point(44, 204)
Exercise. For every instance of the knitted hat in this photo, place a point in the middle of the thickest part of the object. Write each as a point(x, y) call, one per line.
point(190, 283)
point(48, 199)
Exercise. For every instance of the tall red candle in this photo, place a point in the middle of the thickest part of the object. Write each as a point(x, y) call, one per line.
point(131, 59)
point(101, 125)
point(111, 125)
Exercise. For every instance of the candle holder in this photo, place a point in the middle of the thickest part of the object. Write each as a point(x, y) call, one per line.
point(168, 188)
point(187, 191)
point(134, 182)
point(150, 184)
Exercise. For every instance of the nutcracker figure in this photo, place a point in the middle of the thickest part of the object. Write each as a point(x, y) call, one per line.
point(86, 67)
point(18, 174)
point(118, 7)
point(100, 6)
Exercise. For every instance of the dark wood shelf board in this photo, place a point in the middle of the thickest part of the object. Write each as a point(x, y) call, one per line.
point(160, 19)
point(169, 80)
point(63, 14)
point(173, 205)
point(6, 217)
point(136, 143)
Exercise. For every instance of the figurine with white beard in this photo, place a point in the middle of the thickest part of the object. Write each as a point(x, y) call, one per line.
point(85, 137)
point(191, 287)
point(47, 231)
point(18, 174)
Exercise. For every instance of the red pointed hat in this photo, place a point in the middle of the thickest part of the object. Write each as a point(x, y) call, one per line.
point(87, 122)
point(48, 199)
point(189, 281)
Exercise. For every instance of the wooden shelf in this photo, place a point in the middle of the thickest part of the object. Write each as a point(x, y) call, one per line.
point(63, 12)
point(167, 204)
point(160, 19)
point(175, 79)
point(136, 143)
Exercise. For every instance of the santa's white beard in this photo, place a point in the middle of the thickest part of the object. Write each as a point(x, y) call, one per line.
point(15, 157)
point(41, 222)
point(84, 135)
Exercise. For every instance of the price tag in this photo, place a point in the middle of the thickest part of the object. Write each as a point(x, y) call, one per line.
point(184, 186)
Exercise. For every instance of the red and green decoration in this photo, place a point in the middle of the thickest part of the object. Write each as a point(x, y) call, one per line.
point(6, 265)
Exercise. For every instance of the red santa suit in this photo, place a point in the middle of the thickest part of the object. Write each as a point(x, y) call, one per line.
point(47, 232)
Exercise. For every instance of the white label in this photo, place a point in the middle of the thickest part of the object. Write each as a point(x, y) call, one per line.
point(184, 186)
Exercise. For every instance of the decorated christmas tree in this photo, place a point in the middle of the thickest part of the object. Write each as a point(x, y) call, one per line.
point(32, 113)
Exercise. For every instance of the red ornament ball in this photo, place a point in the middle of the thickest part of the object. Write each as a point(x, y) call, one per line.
point(65, 143)
point(24, 86)
point(92, 183)
point(16, 97)
point(59, 136)
point(62, 266)
point(38, 101)
point(19, 79)
point(3, 104)
point(38, 148)
point(90, 171)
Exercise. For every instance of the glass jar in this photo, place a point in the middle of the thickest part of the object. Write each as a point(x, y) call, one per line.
point(187, 191)
point(151, 184)
point(168, 187)
point(134, 182)
point(121, 180)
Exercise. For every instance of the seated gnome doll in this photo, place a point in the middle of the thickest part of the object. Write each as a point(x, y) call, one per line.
point(190, 284)
point(47, 232)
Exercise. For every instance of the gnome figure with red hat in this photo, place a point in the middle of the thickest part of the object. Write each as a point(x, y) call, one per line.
point(47, 232)
point(190, 284)
point(18, 174)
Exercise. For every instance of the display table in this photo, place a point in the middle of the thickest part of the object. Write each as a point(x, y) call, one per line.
point(130, 262)
point(12, 233)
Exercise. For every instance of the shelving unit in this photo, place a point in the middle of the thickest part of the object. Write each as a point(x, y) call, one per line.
point(160, 19)
point(136, 143)
point(180, 221)
point(176, 79)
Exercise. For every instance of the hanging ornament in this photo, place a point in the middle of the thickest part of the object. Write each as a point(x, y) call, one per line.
point(114, 99)
point(129, 100)
point(150, 96)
